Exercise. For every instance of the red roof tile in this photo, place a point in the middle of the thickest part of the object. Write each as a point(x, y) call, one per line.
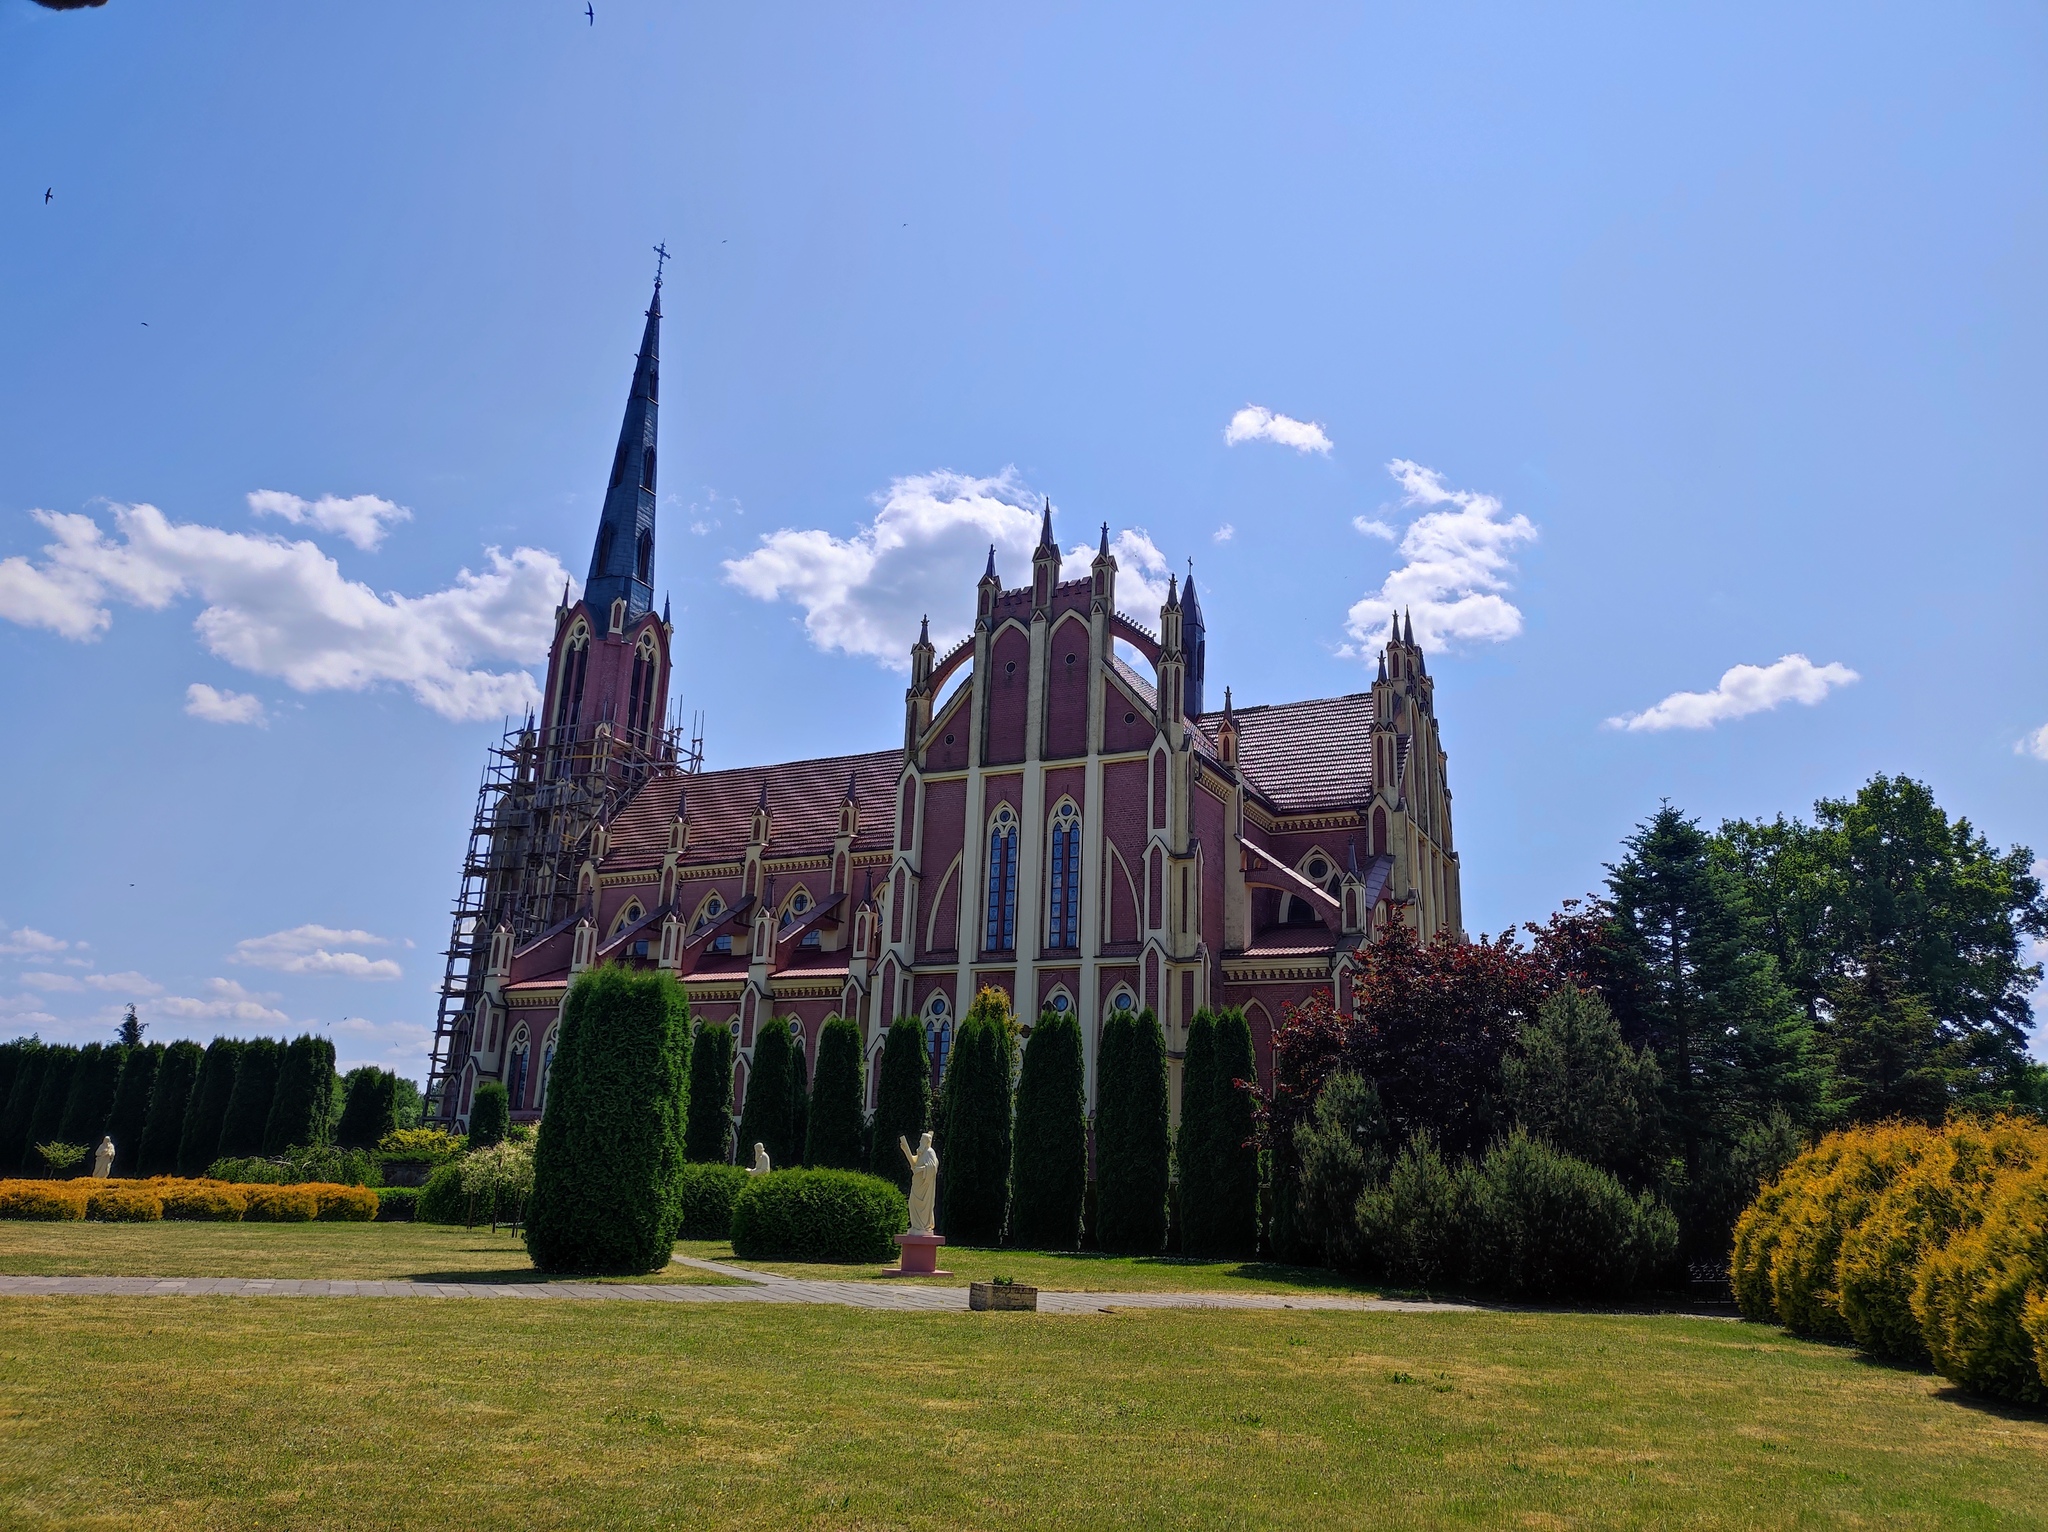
point(803, 805)
point(1306, 756)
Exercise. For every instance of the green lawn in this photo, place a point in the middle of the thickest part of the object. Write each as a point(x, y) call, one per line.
point(1082, 1271)
point(229, 1413)
point(422, 1252)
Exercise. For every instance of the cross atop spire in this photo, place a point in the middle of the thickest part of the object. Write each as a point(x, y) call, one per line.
point(990, 572)
point(1103, 551)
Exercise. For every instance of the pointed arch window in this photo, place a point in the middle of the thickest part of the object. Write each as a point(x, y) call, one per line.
point(515, 1069)
point(640, 692)
point(1001, 934)
point(643, 558)
point(575, 664)
point(547, 1068)
point(604, 549)
point(1063, 888)
point(647, 470)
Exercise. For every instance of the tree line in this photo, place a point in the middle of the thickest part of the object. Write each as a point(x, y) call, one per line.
point(175, 1109)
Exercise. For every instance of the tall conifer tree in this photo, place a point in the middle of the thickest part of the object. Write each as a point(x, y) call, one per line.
point(768, 1114)
point(168, 1099)
point(248, 1109)
point(1131, 1135)
point(93, 1086)
point(302, 1103)
point(975, 1116)
point(1051, 1181)
point(707, 1138)
point(130, 1112)
point(838, 1124)
point(207, 1111)
point(21, 1110)
point(903, 1106)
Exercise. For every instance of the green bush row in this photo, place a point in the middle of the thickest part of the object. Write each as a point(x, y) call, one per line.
point(817, 1215)
point(708, 1194)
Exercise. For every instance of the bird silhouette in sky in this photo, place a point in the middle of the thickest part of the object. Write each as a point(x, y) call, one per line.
point(48, 193)
point(589, 12)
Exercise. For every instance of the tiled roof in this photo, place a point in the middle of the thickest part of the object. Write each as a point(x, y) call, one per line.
point(1141, 688)
point(1306, 756)
point(803, 805)
point(1291, 941)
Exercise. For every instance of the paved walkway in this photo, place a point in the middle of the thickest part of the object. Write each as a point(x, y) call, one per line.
point(747, 1287)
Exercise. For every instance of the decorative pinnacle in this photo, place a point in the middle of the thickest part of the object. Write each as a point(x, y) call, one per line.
point(850, 795)
point(763, 804)
point(682, 805)
point(990, 572)
point(924, 630)
point(1103, 551)
point(664, 611)
point(1045, 538)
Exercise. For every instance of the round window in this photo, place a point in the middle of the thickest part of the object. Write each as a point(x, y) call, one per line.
point(1010, 669)
point(1130, 718)
point(938, 1005)
point(1318, 869)
point(1060, 1004)
point(1070, 659)
point(1121, 1001)
point(949, 739)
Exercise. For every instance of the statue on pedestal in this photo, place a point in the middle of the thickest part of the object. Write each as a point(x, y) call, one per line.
point(760, 1167)
point(924, 1181)
point(103, 1159)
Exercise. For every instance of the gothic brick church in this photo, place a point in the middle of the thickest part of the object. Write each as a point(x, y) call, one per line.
point(1079, 831)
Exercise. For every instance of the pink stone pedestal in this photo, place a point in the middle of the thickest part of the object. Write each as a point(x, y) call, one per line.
point(920, 1256)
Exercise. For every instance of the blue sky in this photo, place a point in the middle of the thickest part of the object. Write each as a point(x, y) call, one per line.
point(1629, 346)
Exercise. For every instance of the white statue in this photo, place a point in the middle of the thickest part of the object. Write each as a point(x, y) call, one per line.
point(103, 1160)
point(924, 1181)
point(760, 1167)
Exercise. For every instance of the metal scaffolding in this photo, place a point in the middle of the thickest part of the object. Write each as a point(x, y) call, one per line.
point(542, 795)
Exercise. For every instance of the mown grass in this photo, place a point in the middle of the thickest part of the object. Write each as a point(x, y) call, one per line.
point(233, 1413)
point(1080, 1271)
point(420, 1252)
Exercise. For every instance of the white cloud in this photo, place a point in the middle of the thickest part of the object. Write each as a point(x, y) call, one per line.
point(1744, 689)
point(921, 554)
point(312, 949)
point(1223, 534)
point(1257, 423)
point(29, 942)
point(53, 981)
point(130, 983)
point(2035, 744)
point(1368, 526)
point(282, 609)
point(1456, 567)
point(228, 1002)
point(203, 702)
point(362, 519)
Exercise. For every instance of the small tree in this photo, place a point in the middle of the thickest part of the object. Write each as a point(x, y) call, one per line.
point(93, 1086)
point(768, 1114)
point(608, 1160)
point(974, 1151)
point(206, 1113)
point(903, 1107)
point(130, 1034)
point(248, 1111)
point(168, 1100)
point(369, 1108)
point(125, 1123)
point(1573, 1083)
point(1131, 1135)
point(1340, 1155)
point(1052, 1137)
point(708, 1136)
point(837, 1123)
point(302, 1101)
point(490, 1114)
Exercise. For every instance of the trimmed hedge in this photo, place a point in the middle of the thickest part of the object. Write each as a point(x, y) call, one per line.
point(1052, 1137)
point(130, 1114)
point(836, 1132)
point(707, 1127)
point(442, 1199)
point(93, 1086)
point(369, 1108)
point(818, 1215)
point(610, 1148)
point(60, 1062)
point(397, 1204)
point(59, 1201)
point(708, 1193)
point(282, 1204)
point(20, 1110)
point(1218, 1159)
point(1131, 1135)
point(122, 1202)
point(903, 1106)
point(1915, 1243)
point(203, 1201)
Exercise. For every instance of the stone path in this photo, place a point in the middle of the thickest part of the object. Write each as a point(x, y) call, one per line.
point(749, 1287)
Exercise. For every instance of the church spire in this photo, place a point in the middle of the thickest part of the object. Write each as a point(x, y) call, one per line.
point(622, 562)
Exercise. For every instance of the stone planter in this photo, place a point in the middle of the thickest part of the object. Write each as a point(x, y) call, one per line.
point(983, 1297)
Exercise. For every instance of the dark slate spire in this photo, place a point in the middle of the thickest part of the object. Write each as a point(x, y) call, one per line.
point(851, 795)
point(1194, 641)
point(664, 613)
point(990, 572)
point(1408, 637)
point(1102, 552)
point(622, 563)
point(763, 804)
point(1045, 537)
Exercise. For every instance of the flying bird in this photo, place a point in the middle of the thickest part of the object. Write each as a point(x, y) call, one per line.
point(48, 193)
point(587, 11)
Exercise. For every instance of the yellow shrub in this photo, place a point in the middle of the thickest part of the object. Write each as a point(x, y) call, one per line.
point(118, 1202)
point(282, 1204)
point(1763, 1224)
point(1973, 1293)
point(343, 1204)
point(1804, 1267)
point(1917, 1214)
point(210, 1201)
point(59, 1200)
point(2035, 1322)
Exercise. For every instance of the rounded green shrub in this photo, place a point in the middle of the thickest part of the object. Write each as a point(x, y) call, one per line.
point(817, 1215)
point(397, 1204)
point(490, 1114)
point(708, 1193)
point(1542, 1224)
point(610, 1149)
